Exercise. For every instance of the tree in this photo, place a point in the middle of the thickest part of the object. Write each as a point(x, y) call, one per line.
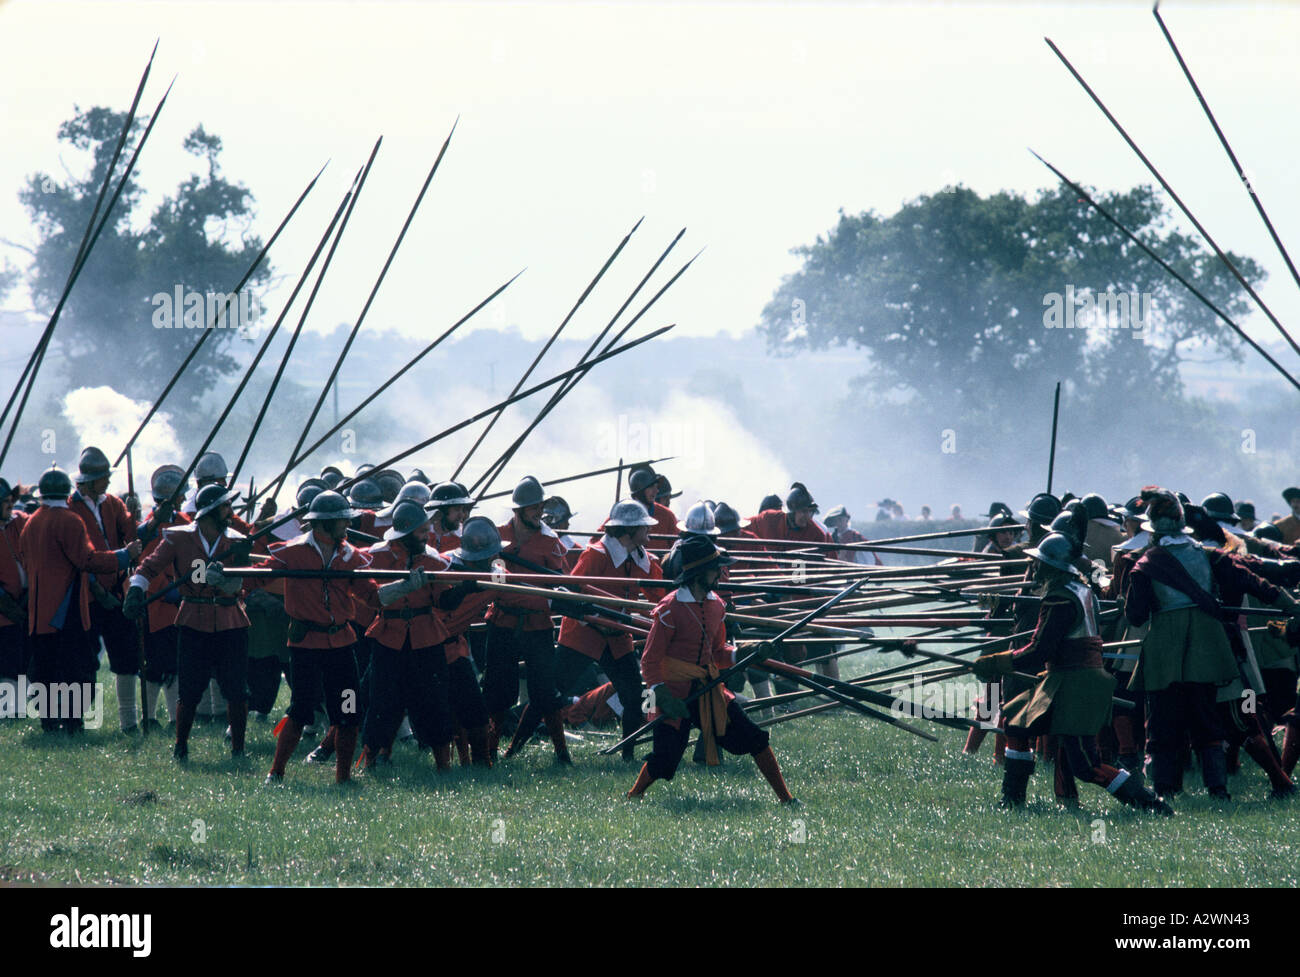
point(960, 303)
point(196, 240)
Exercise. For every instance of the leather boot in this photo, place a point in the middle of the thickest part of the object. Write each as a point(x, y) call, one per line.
point(1127, 788)
point(643, 780)
point(286, 742)
point(974, 737)
point(478, 746)
point(529, 720)
point(766, 761)
point(1214, 771)
point(345, 743)
point(1063, 782)
point(555, 726)
point(237, 716)
point(184, 723)
point(442, 756)
point(1015, 781)
point(1257, 749)
point(496, 723)
point(462, 746)
point(1166, 771)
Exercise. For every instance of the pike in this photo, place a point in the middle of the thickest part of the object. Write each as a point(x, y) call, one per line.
point(618, 483)
point(257, 261)
point(1051, 456)
point(358, 184)
point(266, 343)
point(1083, 195)
point(831, 688)
point(1223, 141)
point(347, 482)
point(743, 663)
point(542, 352)
point(495, 470)
point(574, 478)
point(356, 327)
point(1236, 273)
point(76, 272)
point(84, 246)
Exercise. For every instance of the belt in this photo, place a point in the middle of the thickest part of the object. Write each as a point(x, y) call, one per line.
point(407, 613)
point(323, 628)
point(218, 601)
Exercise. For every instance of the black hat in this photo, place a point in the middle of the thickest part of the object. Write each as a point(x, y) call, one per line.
point(697, 555)
point(1245, 510)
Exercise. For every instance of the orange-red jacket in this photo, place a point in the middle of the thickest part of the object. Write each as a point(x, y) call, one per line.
point(178, 557)
point(119, 528)
point(689, 631)
point(421, 619)
point(161, 613)
point(55, 550)
point(544, 549)
point(596, 561)
point(326, 603)
point(12, 575)
point(774, 524)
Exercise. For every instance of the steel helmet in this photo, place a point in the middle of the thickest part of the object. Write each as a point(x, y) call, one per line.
point(54, 484)
point(408, 516)
point(770, 502)
point(212, 497)
point(1095, 506)
point(839, 512)
point(1219, 508)
point(1245, 510)
point(699, 520)
point(800, 498)
point(1164, 512)
point(641, 478)
point(448, 494)
point(1055, 550)
point(1266, 530)
point(165, 483)
point(390, 482)
point(365, 494)
point(330, 505)
point(555, 510)
point(94, 464)
point(528, 492)
point(6, 489)
point(308, 490)
point(479, 539)
point(629, 512)
point(410, 492)
point(330, 477)
point(1042, 509)
point(211, 468)
point(1133, 509)
point(417, 475)
point(728, 519)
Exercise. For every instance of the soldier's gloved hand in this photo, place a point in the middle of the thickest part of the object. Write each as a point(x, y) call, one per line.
point(133, 606)
point(216, 577)
point(133, 549)
point(989, 668)
point(668, 704)
point(398, 589)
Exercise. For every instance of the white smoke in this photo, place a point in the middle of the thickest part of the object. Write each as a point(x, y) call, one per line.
point(104, 418)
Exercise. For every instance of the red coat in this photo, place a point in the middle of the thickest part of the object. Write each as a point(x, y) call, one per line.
point(458, 620)
point(665, 521)
point(330, 603)
point(424, 624)
point(119, 529)
point(543, 548)
point(55, 548)
point(11, 570)
point(161, 613)
point(443, 542)
point(597, 562)
point(684, 629)
point(774, 524)
point(175, 559)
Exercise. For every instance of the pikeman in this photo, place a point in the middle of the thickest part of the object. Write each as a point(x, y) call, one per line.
point(733, 534)
point(110, 527)
point(211, 626)
point(212, 470)
point(795, 523)
point(408, 664)
point(463, 603)
point(55, 550)
point(13, 586)
point(1072, 699)
point(451, 505)
point(619, 553)
point(687, 647)
point(366, 499)
point(557, 514)
point(519, 625)
point(840, 524)
point(1185, 656)
point(160, 640)
point(644, 486)
point(321, 640)
point(1127, 727)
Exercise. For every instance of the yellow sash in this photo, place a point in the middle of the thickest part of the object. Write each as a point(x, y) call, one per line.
point(713, 704)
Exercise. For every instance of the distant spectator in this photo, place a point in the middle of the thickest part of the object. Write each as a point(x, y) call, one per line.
point(897, 510)
point(885, 509)
point(956, 513)
point(1246, 513)
point(925, 513)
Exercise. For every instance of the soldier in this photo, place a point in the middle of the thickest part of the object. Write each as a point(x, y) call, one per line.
point(1185, 656)
point(1072, 699)
point(687, 647)
point(408, 663)
point(840, 524)
point(644, 486)
point(56, 552)
point(13, 587)
point(366, 500)
point(110, 527)
point(557, 514)
point(1246, 516)
point(619, 553)
point(211, 626)
point(321, 639)
point(463, 603)
point(451, 505)
point(160, 639)
point(519, 626)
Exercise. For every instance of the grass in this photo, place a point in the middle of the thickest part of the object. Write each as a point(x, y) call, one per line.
point(880, 807)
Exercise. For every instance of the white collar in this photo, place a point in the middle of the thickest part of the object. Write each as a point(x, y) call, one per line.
point(1135, 542)
point(618, 553)
point(686, 597)
point(55, 503)
point(1180, 540)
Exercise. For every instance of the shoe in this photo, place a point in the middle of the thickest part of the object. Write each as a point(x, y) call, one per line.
point(320, 755)
point(793, 803)
point(227, 736)
point(132, 730)
point(273, 780)
point(181, 752)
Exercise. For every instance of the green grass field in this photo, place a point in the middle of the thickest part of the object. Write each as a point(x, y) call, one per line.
point(880, 807)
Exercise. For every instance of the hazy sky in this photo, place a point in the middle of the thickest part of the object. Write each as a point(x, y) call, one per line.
point(750, 124)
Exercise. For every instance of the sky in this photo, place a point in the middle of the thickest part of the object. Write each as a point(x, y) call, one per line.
point(750, 125)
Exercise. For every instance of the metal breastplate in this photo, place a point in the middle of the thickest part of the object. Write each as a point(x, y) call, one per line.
point(1087, 602)
point(1197, 565)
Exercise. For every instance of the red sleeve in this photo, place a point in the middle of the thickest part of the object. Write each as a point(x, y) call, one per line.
point(1055, 620)
point(656, 646)
point(75, 543)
